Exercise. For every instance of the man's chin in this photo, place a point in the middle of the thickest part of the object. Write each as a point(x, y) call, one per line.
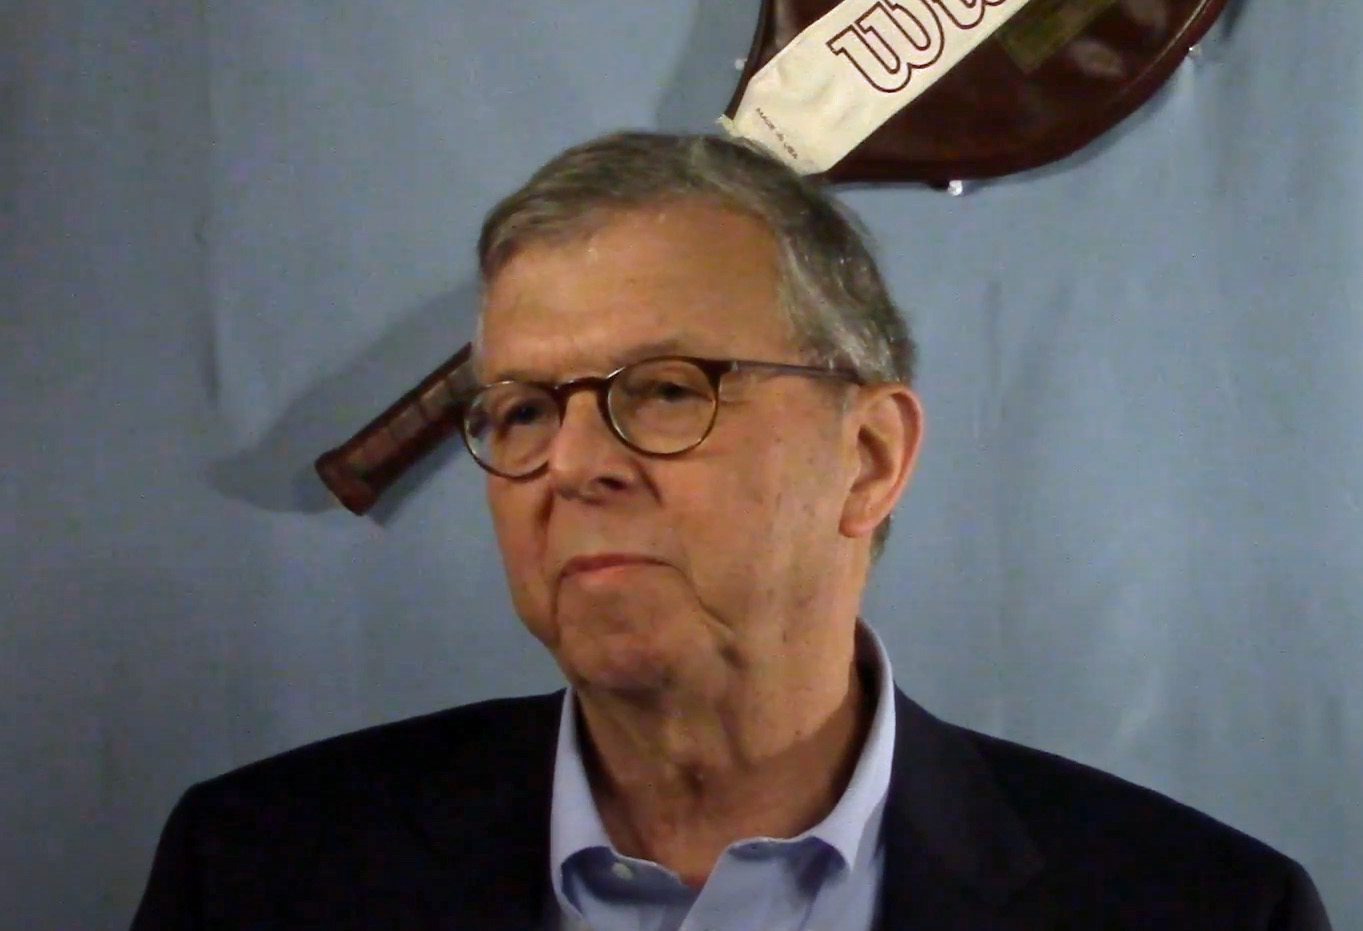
point(630, 642)
point(634, 687)
point(621, 669)
point(633, 614)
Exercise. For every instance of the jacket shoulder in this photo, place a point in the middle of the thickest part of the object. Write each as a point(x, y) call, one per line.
point(1073, 802)
point(365, 778)
point(1118, 847)
point(466, 734)
point(329, 829)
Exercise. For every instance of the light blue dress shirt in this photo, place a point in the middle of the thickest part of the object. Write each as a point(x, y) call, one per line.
point(824, 879)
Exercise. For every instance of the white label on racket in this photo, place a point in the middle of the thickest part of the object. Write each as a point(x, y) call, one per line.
point(861, 63)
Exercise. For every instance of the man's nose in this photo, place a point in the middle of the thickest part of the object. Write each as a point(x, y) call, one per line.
point(585, 456)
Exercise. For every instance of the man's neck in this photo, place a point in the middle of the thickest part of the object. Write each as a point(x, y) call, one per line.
point(677, 784)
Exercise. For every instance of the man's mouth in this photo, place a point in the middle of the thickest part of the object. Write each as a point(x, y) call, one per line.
point(579, 565)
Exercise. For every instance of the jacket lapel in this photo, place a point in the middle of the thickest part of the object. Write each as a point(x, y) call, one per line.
point(485, 813)
point(955, 851)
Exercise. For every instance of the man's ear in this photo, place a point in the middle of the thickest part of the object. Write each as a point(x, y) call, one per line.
point(888, 420)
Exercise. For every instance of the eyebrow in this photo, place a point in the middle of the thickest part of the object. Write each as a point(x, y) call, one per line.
point(664, 347)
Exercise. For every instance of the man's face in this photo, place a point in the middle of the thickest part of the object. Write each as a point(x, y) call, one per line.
point(642, 573)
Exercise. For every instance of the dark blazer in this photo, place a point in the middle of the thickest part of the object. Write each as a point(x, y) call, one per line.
point(442, 822)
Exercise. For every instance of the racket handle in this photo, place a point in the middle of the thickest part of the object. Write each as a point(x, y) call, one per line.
point(359, 470)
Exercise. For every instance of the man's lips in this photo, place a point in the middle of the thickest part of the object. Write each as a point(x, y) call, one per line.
point(580, 564)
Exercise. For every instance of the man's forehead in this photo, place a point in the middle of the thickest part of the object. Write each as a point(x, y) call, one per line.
point(556, 358)
point(687, 231)
point(689, 279)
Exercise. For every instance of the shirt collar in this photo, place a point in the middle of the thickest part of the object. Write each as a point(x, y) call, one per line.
point(852, 825)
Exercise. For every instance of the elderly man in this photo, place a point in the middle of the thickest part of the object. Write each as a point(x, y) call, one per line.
point(694, 413)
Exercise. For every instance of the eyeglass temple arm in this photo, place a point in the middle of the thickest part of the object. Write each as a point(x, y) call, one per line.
point(359, 470)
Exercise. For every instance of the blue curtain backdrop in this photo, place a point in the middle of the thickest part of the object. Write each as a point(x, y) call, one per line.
point(233, 231)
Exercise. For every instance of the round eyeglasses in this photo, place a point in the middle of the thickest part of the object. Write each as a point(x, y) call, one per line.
point(660, 407)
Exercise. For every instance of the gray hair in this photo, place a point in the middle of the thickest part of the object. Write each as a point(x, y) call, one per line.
point(829, 288)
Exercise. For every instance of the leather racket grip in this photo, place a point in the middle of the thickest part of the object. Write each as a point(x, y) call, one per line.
point(359, 470)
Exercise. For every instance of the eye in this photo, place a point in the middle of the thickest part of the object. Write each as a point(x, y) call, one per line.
point(509, 410)
point(661, 389)
point(520, 415)
point(664, 382)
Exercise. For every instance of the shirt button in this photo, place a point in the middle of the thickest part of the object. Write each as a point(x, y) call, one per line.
point(622, 870)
